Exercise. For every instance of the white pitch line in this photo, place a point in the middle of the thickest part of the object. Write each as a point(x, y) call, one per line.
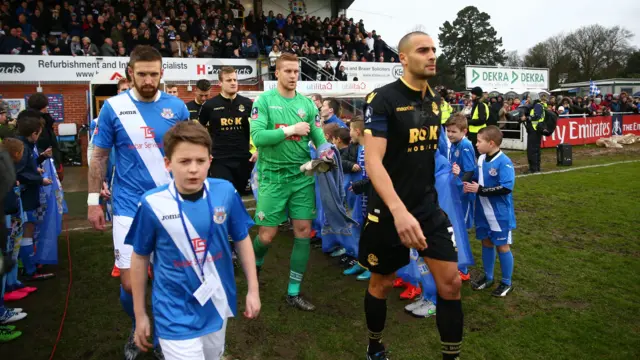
point(577, 168)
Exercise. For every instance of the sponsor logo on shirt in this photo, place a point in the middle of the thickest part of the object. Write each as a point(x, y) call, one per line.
point(275, 107)
point(170, 217)
point(199, 245)
point(218, 108)
point(423, 139)
point(187, 263)
point(405, 108)
point(127, 112)
point(148, 132)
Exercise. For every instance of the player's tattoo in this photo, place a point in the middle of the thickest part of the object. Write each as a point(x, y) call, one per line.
point(98, 168)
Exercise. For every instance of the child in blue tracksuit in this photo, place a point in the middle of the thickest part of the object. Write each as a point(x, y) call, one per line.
point(462, 158)
point(495, 216)
point(30, 177)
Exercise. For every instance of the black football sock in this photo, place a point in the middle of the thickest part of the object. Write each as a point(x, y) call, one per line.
point(449, 319)
point(376, 313)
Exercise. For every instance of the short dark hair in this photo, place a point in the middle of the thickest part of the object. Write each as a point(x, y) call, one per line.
point(491, 133)
point(404, 42)
point(203, 85)
point(186, 131)
point(144, 53)
point(13, 146)
point(343, 134)
point(334, 105)
point(226, 70)
point(357, 123)
point(38, 101)
point(317, 96)
point(28, 123)
point(458, 120)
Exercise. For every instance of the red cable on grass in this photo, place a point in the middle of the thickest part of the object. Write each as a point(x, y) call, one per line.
point(66, 304)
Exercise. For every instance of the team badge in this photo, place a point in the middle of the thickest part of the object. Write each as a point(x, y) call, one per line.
point(302, 113)
point(493, 171)
point(219, 215)
point(241, 108)
point(167, 113)
point(261, 215)
point(254, 113)
point(434, 108)
point(367, 114)
point(372, 260)
point(457, 153)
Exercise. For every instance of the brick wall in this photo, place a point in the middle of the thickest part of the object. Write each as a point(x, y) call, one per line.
point(75, 100)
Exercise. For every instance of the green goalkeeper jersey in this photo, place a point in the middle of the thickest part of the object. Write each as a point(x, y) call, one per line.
point(280, 158)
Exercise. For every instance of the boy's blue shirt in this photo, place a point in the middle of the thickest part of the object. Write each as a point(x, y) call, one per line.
point(28, 176)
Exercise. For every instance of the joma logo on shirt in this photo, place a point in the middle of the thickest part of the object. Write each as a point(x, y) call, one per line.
point(170, 217)
point(128, 112)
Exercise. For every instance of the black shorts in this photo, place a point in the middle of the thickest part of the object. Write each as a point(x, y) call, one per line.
point(382, 252)
point(236, 171)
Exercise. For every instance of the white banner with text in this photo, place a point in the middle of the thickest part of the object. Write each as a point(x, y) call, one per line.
point(35, 68)
point(368, 71)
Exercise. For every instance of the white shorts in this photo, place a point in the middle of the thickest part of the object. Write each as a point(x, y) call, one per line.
point(121, 226)
point(207, 347)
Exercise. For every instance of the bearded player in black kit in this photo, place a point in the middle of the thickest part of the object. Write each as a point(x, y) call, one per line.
point(402, 126)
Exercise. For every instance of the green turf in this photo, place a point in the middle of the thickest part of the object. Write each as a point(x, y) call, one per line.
point(576, 261)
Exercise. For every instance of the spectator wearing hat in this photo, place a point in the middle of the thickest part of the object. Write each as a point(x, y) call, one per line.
point(478, 117)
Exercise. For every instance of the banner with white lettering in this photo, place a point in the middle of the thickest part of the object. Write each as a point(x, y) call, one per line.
point(587, 130)
point(503, 79)
point(84, 68)
point(368, 71)
point(331, 87)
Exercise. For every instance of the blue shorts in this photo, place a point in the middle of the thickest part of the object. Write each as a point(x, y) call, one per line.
point(498, 238)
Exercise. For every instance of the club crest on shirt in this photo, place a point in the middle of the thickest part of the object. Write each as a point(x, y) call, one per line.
point(261, 215)
point(219, 215)
point(254, 113)
point(167, 113)
point(241, 108)
point(434, 108)
point(457, 153)
point(493, 171)
point(302, 113)
point(372, 260)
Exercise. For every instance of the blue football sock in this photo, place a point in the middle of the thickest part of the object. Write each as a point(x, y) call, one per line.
point(506, 265)
point(26, 256)
point(488, 261)
point(126, 300)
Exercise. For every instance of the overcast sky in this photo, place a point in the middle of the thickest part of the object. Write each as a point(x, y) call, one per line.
point(507, 17)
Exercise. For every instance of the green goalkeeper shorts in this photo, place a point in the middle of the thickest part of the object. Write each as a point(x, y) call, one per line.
point(276, 202)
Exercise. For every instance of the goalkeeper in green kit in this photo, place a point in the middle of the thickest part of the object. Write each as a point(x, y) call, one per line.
point(282, 122)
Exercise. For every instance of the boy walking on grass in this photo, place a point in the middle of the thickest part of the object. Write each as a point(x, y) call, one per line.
point(186, 224)
point(495, 217)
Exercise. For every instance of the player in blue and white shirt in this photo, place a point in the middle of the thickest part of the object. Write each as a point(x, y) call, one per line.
point(186, 225)
point(495, 217)
point(133, 122)
point(107, 185)
point(462, 158)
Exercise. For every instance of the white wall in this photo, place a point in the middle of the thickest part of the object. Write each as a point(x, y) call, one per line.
point(316, 8)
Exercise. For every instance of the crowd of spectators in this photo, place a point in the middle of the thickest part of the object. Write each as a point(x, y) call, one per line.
point(179, 28)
